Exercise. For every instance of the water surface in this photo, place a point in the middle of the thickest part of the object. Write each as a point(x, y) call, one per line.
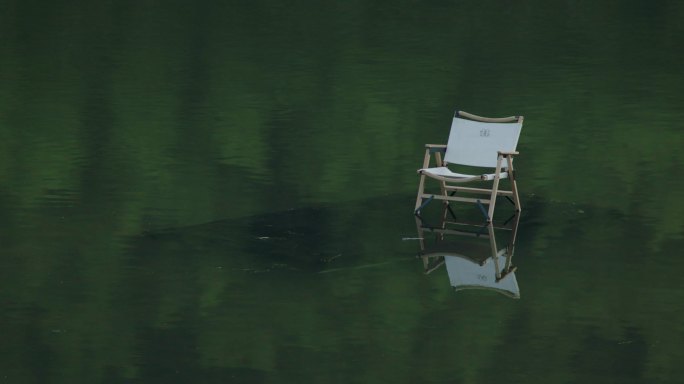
point(223, 191)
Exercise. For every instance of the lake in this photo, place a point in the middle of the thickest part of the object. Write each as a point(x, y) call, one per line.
point(223, 191)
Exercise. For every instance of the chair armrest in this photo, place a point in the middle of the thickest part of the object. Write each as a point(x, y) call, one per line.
point(508, 153)
point(436, 147)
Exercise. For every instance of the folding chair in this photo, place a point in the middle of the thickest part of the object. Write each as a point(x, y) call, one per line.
point(473, 141)
point(472, 258)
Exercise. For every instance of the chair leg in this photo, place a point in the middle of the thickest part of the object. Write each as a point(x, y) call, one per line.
point(495, 190)
point(516, 197)
point(514, 185)
point(492, 200)
point(421, 184)
point(421, 234)
point(445, 213)
point(442, 183)
point(494, 247)
point(419, 197)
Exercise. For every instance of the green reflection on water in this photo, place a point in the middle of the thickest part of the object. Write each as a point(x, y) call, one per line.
point(121, 120)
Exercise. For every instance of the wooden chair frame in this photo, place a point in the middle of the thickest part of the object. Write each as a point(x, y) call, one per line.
point(450, 186)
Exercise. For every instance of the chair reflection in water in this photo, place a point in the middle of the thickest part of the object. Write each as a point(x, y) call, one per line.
point(472, 258)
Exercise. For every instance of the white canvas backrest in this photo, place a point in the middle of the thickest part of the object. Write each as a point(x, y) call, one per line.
point(464, 274)
point(476, 143)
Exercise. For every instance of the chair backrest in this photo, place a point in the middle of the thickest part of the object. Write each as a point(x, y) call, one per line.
point(465, 274)
point(475, 140)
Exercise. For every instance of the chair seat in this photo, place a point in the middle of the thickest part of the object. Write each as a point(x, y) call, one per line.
point(447, 173)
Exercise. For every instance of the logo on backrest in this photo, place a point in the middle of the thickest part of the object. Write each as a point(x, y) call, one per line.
point(484, 132)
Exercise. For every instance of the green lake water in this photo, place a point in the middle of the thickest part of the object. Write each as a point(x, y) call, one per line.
point(223, 191)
